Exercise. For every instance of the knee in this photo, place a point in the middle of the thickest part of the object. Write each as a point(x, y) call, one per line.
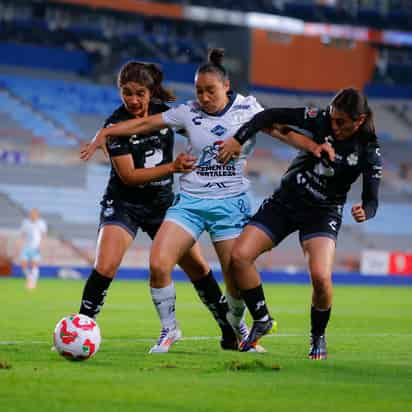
point(106, 268)
point(160, 268)
point(240, 257)
point(322, 282)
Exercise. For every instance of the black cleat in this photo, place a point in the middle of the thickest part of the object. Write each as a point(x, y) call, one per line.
point(318, 348)
point(229, 340)
point(259, 329)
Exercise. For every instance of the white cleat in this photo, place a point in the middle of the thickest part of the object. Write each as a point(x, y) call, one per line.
point(166, 339)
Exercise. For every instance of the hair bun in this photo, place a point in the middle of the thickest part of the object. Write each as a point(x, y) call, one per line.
point(215, 56)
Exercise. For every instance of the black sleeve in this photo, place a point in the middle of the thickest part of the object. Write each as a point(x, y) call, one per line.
point(372, 175)
point(304, 118)
point(117, 146)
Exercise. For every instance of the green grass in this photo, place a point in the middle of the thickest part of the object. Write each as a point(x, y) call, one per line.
point(370, 365)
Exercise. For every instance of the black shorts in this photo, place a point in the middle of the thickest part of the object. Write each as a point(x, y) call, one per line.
point(131, 217)
point(279, 219)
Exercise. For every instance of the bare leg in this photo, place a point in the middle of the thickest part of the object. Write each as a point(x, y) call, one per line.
point(320, 252)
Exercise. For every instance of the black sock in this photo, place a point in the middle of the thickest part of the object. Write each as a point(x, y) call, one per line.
point(210, 294)
point(94, 293)
point(255, 302)
point(319, 319)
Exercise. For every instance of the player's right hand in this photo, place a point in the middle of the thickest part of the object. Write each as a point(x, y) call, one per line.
point(325, 150)
point(184, 163)
point(87, 151)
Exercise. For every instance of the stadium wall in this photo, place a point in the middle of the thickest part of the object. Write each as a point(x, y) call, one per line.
point(308, 64)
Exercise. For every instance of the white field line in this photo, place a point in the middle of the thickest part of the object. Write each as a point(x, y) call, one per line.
point(199, 338)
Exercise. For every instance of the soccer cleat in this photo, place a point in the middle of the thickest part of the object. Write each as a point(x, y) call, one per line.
point(229, 340)
point(259, 329)
point(318, 349)
point(166, 339)
point(242, 332)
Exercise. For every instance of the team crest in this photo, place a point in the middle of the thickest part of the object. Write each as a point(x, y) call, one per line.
point(352, 159)
point(219, 130)
point(109, 211)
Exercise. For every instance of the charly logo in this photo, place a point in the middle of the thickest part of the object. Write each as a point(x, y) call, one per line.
point(352, 159)
point(333, 224)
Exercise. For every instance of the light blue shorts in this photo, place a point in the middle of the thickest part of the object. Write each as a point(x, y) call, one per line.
point(222, 218)
point(30, 254)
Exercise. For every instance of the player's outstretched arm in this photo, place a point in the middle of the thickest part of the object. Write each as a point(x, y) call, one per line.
point(230, 148)
point(124, 165)
point(301, 142)
point(125, 128)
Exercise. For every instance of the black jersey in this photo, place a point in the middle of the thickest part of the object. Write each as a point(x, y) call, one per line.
point(321, 182)
point(147, 150)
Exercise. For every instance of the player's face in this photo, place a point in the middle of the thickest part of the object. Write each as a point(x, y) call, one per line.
point(211, 92)
point(344, 126)
point(34, 214)
point(136, 98)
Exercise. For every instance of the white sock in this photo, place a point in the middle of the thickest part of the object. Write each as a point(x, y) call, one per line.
point(164, 300)
point(35, 275)
point(237, 309)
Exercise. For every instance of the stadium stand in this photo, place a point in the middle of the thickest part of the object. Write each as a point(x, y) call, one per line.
point(57, 67)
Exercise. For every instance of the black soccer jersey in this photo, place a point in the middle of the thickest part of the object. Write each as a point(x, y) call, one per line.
point(321, 182)
point(147, 150)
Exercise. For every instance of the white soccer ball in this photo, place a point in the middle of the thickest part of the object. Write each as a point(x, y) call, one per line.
point(77, 337)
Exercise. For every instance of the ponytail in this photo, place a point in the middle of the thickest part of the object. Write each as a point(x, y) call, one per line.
point(214, 64)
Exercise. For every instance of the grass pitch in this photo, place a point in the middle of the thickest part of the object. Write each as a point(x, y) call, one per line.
point(369, 369)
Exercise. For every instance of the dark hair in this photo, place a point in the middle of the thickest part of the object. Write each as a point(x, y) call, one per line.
point(354, 103)
point(147, 74)
point(214, 64)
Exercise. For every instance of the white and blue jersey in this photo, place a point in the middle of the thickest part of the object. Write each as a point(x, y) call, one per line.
point(32, 232)
point(213, 197)
point(211, 179)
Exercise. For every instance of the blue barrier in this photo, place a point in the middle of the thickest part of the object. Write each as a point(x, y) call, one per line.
point(339, 278)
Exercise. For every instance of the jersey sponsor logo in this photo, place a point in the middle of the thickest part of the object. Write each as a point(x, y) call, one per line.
point(322, 170)
point(352, 159)
point(311, 112)
point(164, 131)
point(219, 130)
point(209, 153)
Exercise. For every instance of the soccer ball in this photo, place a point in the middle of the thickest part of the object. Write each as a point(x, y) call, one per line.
point(77, 337)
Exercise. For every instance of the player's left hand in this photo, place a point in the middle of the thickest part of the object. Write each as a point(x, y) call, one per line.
point(325, 149)
point(358, 213)
point(228, 150)
point(87, 151)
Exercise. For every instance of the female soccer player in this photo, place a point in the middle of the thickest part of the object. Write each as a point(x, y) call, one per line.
point(138, 194)
point(310, 199)
point(213, 197)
